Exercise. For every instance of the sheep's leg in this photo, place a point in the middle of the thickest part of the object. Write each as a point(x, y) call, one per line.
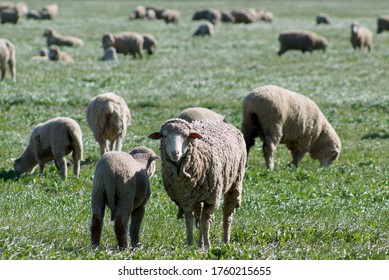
point(205, 221)
point(198, 213)
point(189, 227)
point(269, 148)
point(61, 166)
point(118, 143)
point(2, 71)
point(232, 200)
point(250, 129)
point(121, 230)
point(103, 147)
point(297, 156)
point(96, 228)
point(136, 221)
point(76, 164)
point(12, 69)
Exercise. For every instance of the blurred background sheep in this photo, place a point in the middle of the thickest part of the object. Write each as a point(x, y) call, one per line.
point(361, 37)
point(323, 18)
point(7, 56)
point(204, 29)
point(304, 41)
point(125, 43)
point(382, 24)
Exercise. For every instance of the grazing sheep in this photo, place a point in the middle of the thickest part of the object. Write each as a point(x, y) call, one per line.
point(33, 14)
point(205, 28)
point(110, 54)
point(157, 11)
point(198, 114)
point(266, 16)
point(53, 38)
point(9, 16)
point(323, 18)
point(226, 16)
point(56, 54)
point(278, 115)
point(212, 15)
point(304, 41)
point(138, 13)
point(121, 181)
point(7, 56)
point(361, 37)
point(108, 117)
point(52, 140)
point(244, 16)
point(49, 11)
point(6, 5)
point(125, 43)
point(171, 16)
point(382, 24)
point(201, 162)
point(22, 8)
point(149, 43)
point(150, 14)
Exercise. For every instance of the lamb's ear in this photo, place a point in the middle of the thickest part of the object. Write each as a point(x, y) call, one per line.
point(155, 158)
point(155, 136)
point(195, 135)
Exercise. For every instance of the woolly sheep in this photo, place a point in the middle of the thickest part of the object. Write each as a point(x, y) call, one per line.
point(52, 140)
point(323, 18)
point(205, 28)
point(43, 55)
point(244, 16)
point(9, 16)
point(53, 38)
point(150, 14)
point(51, 11)
point(138, 13)
point(149, 43)
point(198, 114)
point(56, 54)
point(108, 117)
point(121, 181)
point(201, 162)
point(6, 5)
point(109, 54)
point(305, 41)
point(22, 8)
point(171, 16)
point(382, 24)
point(226, 16)
point(361, 37)
point(278, 115)
point(209, 14)
point(125, 43)
point(7, 56)
point(266, 16)
point(157, 11)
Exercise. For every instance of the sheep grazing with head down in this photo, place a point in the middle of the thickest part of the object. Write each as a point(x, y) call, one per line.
point(53, 38)
point(382, 24)
point(204, 29)
point(323, 18)
point(171, 16)
point(7, 56)
point(121, 181)
point(52, 140)
point(304, 41)
point(108, 117)
point(279, 116)
point(199, 114)
point(149, 43)
point(361, 37)
point(125, 43)
point(201, 162)
point(209, 14)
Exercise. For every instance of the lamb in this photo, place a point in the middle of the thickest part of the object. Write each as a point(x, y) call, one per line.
point(110, 54)
point(198, 114)
point(278, 115)
point(53, 38)
point(52, 140)
point(361, 37)
point(149, 43)
point(9, 16)
point(7, 56)
point(171, 16)
point(108, 117)
point(138, 13)
point(212, 15)
point(121, 181)
point(43, 55)
point(323, 18)
point(201, 162)
point(125, 43)
point(382, 24)
point(204, 29)
point(56, 54)
point(301, 40)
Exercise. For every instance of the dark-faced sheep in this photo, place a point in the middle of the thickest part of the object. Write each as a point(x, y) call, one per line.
point(279, 116)
point(149, 43)
point(125, 43)
point(323, 18)
point(209, 14)
point(382, 24)
point(304, 41)
point(9, 16)
point(121, 181)
point(204, 29)
point(7, 56)
point(54, 38)
point(201, 162)
point(227, 16)
point(361, 37)
point(55, 54)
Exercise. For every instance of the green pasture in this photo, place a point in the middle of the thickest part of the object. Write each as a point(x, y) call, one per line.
point(339, 212)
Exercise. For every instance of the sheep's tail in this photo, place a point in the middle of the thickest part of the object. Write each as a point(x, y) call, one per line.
point(76, 138)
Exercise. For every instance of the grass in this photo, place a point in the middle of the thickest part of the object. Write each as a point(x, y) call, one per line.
point(340, 212)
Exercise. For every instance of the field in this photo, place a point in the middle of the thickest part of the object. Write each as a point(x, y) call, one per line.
point(339, 212)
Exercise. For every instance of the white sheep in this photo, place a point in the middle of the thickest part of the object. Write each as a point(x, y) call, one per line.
point(302, 40)
point(198, 114)
point(121, 181)
point(205, 28)
point(52, 140)
point(108, 117)
point(361, 37)
point(279, 116)
point(201, 162)
point(125, 43)
point(54, 38)
point(7, 56)
point(171, 16)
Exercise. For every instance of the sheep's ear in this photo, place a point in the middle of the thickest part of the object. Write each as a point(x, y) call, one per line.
point(195, 135)
point(17, 160)
point(155, 136)
point(156, 158)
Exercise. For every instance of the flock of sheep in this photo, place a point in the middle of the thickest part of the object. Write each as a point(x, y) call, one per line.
point(203, 156)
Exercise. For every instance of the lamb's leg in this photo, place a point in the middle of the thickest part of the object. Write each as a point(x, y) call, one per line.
point(189, 227)
point(269, 148)
point(97, 225)
point(136, 221)
point(111, 145)
point(297, 157)
point(62, 167)
point(118, 143)
point(205, 221)
point(121, 230)
point(103, 147)
point(11, 64)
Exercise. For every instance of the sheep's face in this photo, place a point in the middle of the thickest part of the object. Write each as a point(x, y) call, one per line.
point(48, 32)
point(108, 40)
point(354, 28)
point(23, 166)
point(327, 148)
point(54, 52)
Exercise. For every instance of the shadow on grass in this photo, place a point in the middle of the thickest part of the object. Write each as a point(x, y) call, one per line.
point(9, 175)
point(375, 135)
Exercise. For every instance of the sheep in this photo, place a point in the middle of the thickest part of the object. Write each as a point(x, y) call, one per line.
point(7, 56)
point(138, 13)
point(205, 28)
point(43, 55)
point(108, 117)
point(49, 11)
point(198, 114)
point(157, 11)
point(22, 9)
point(305, 41)
point(125, 43)
point(121, 181)
point(6, 5)
point(53, 38)
point(361, 37)
point(323, 18)
point(212, 15)
point(226, 16)
point(382, 24)
point(150, 14)
point(171, 16)
point(52, 140)
point(201, 162)
point(244, 16)
point(149, 43)
point(55, 54)
point(278, 115)
point(109, 54)
point(9, 16)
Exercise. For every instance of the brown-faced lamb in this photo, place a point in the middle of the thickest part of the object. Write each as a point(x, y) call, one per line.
point(109, 54)
point(56, 54)
point(279, 116)
point(201, 162)
point(52, 140)
point(125, 43)
point(9, 16)
point(204, 29)
point(108, 117)
point(304, 41)
point(149, 43)
point(382, 24)
point(212, 15)
point(121, 181)
point(7, 56)
point(171, 16)
point(361, 37)
point(199, 113)
point(53, 38)
point(323, 18)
